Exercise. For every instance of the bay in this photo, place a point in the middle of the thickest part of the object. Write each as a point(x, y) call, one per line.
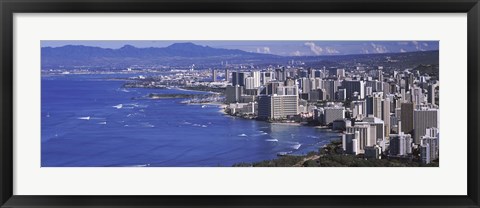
point(91, 121)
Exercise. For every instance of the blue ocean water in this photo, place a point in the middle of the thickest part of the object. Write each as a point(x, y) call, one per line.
point(91, 121)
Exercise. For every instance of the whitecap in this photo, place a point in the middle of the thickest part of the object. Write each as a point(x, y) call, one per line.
point(84, 118)
point(271, 140)
point(297, 146)
point(118, 106)
point(242, 135)
point(103, 123)
point(142, 165)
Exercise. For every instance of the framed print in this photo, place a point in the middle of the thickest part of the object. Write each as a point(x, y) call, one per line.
point(213, 103)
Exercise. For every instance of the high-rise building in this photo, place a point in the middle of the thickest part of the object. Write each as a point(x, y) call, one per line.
point(305, 85)
point(374, 152)
point(422, 120)
point(365, 135)
point(347, 142)
point(318, 94)
point(272, 87)
point(433, 144)
point(379, 126)
point(431, 94)
point(376, 85)
point(287, 90)
point(266, 77)
point(406, 118)
point(281, 74)
point(233, 94)
point(359, 108)
point(330, 87)
point(400, 144)
point(341, 95)
point(227, 75)
point(238, 78)
point(214, 75)
point(386, 115)
point(250, 83)
point(341, 73)
point(333, 113)
point(368, 91)
point(354, 86)
point(277, 106)
point(377, 104)
point(425, 153)
point(256, 79)
point(319, 74)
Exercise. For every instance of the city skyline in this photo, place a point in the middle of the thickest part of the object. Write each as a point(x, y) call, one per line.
point(187, 105)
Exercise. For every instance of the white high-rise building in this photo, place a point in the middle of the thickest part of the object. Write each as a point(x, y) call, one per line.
point(266, 77)
point(366, 135)
point(256, 79)
point(250, 83)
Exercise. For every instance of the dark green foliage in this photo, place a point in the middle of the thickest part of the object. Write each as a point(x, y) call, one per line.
point(331, 156)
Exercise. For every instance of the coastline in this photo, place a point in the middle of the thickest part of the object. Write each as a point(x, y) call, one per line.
point(189, 90)
point(221, 106)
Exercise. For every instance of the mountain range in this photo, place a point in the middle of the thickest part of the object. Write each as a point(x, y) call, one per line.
point(186, 54)
point(77, 55)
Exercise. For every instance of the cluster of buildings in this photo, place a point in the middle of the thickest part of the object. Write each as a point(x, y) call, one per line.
point(381, 113)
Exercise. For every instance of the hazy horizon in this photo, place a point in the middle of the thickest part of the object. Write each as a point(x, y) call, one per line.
point(279, 47)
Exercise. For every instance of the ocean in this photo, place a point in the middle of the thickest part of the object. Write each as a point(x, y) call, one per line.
point(91, 121)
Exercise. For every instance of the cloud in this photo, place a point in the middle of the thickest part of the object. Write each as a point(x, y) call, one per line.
point(418, 46)
point(317, 50)
point(425, 44)
point(266, 50)
point(365, 51)
point(402, 43)
point(296, 53)
point(332, 50)
point(263, 50)
point(402, 50)
point(379, 48)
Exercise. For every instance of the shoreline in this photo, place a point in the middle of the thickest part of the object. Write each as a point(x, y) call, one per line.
point(183, 89)
point(221, 106)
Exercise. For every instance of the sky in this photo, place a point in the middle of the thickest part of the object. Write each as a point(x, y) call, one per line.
point(283, 48)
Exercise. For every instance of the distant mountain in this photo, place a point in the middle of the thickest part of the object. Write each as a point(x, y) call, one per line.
point(186, 54)
point(78, 55)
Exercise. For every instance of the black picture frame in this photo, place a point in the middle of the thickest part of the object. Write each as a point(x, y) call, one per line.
point(10, 7)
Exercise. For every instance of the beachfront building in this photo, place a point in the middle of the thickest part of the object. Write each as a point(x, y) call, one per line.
point(333, 113)
point(233, 94)
point(277, 106)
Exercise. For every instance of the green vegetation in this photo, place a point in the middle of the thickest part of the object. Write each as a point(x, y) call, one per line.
point(284, 161)
point(331, 156)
